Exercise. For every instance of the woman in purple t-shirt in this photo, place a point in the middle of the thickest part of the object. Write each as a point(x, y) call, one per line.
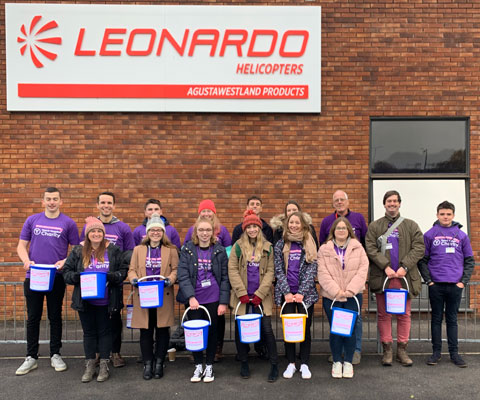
point(96, 254)
point(203, 280)
point(295, 270)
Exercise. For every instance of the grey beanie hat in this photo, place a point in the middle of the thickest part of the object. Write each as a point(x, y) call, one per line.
point(155, 222)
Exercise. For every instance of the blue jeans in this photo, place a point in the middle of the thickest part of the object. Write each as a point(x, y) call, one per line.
point(445, 296)
point(341, 344)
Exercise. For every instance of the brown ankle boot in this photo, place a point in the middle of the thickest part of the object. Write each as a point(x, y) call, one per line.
point(387, 358)
point(402, 356)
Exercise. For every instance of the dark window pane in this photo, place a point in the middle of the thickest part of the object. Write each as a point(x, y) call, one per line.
point(419, 146)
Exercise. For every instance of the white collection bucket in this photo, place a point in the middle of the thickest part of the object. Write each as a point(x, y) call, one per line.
point(343, 320)
point(396, 299)
point(42, 277)
point(129, 308)
point(196, 331)
point(294, 325)
point(151, 292)
point(93, 284)
point(249, 325)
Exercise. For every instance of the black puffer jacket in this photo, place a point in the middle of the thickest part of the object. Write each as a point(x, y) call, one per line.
point(118, 269)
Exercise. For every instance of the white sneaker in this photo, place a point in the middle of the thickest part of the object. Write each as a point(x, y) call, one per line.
point(337, 370)
point(306, 374)
point(28, 365)
point(288, 374)
point(197, 374)
point(347, 370)
point(57, 363)
point(208, 374)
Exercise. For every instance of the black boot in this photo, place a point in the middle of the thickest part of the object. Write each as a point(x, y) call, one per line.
point(158, 368)
point(147, 370)
point(244, 370)
point(273, 374)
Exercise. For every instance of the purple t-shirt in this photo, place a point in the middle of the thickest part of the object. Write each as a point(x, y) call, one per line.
point(447, 248)
point(356, 220)
point(340, 253)
point(140, 232)
point(223, 237)
point(117, 233)
point(206, 288)
point(253, 276)
point(392, 246)
point(104, 266)
point(49, 237)
point(294, 266)
point(153, 261)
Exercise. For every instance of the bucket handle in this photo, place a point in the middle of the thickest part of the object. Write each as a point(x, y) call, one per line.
point(304, 306)
point(355, 297)
point(386, 279)
point(238, 305)
point(129, 297)
point(200, 306)
point(151, 276)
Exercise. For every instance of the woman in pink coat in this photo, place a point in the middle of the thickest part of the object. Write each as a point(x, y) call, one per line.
point(342, 273)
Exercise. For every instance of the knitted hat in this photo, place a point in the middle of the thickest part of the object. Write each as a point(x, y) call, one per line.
point(93, 223)
point(250, 218)
point(155, 222)
point(207, 205)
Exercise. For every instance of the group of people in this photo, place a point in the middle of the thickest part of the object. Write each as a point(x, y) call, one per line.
point(215, 271)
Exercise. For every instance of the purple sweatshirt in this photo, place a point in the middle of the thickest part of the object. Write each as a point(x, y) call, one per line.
point(356, 220)
point(49, 237)
point(224, 237)
point(117, 233)
point(447, 248)
point(140, 232)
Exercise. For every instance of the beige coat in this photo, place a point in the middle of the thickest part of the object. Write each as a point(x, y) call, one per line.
point(333, 278)
point(237, 274)
point(165, 314)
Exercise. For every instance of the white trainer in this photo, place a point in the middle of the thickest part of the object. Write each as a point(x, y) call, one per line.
point(197, 374)
point(347, 370)
point(57, 363)
point(337, 370)
point(288, 374)
point(28, 365)
point(306, 374)
point(208, 374)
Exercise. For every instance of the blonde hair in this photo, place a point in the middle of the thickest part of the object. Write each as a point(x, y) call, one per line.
point(164, 241)
point(303, 222)
point(246, 244)
point(195, 239)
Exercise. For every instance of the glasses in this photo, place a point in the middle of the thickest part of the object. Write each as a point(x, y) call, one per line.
point(341, 228)
point(155, 231)
point(205, 230)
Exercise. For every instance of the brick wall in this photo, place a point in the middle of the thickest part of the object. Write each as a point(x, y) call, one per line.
point(379, 58)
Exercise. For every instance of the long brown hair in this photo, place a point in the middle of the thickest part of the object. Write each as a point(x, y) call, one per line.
point(303, 222)
point(88, 251)
point(164, 241)
point(331, 234)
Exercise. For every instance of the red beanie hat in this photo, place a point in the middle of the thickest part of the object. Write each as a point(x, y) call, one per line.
point(250, 218)
point(207, 205)
point(93, 223)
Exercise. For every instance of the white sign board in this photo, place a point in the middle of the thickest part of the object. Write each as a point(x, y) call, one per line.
point(79, 57)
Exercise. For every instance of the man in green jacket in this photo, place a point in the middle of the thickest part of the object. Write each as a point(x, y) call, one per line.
point(394, 246)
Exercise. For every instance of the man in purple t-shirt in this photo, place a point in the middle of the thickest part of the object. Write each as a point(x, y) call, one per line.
point(154, 206)
point(341, 204)
point(446, 268)
point(120, 234)
point(45, 239)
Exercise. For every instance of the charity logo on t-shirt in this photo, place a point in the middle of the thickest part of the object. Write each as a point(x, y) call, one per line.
point(44, 230)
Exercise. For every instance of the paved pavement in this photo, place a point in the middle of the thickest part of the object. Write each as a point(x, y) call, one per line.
point(371, 381)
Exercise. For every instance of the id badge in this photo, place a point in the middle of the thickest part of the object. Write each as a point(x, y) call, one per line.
point(206, 283)
point(389, 246)
point(450, 250)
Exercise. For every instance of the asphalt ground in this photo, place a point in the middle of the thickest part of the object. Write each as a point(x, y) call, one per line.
point(371, 380)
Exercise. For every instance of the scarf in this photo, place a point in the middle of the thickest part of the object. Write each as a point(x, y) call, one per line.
point(308, 244)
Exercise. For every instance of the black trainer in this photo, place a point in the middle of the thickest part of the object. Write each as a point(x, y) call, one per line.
point(434, 358)
point(273, 374)
point(245, 370)
point(457, 360)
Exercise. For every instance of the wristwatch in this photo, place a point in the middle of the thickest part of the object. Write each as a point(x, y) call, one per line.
point(405, 268)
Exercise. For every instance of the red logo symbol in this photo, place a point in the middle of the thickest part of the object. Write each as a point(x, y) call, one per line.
point(33, 42)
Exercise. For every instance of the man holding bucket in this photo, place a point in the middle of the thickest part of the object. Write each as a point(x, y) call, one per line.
point(44, 239)
point(394, 246)
point(446, 268)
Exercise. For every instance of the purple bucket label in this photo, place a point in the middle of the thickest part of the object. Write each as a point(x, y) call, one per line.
point(396, 301)
point(249, 327)
point(343, 322)
point(196, 334)
point(294, 327)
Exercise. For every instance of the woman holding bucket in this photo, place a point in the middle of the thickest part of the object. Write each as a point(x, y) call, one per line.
point(342, 273)
point(155, 256)
point(203, 281)
point(251, 273)
point(96, 255)
point(295, 270)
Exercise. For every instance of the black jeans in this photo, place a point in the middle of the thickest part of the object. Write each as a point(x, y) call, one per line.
point(96, 331)
point(116, 329)
point(305, 346)
point(267, 337)
point(162, 337)
point(445, 296)
point(212, 332)
point(34, 315)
